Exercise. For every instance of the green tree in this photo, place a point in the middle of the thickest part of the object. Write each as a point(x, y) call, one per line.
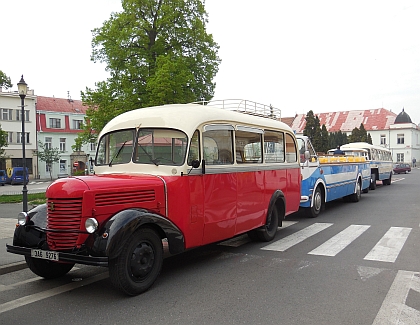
point(359, 134)
point(313, 130)
point(157, 52)
point(3, 142)
point(337, 139)
point(324, 139)
point(48, 155)
point(369, 139)
point(5, 80)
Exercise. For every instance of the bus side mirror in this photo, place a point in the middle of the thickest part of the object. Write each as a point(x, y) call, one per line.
point(195, 163)
point(307, 155)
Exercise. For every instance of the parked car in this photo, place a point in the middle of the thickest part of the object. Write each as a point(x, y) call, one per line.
point(15, 175)
point(2, 177)
point(402, 168)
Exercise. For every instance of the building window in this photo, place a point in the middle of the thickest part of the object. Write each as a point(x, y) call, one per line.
point(6, 114)
point(62, 144)
point(19, 115)
point(63, 164)
point(9, 137)
point(47, 168)
point(19, 137)
point(400, 157)
point(77, 124)
point(55, 123)
point(48, 143)
point(93, 146)
point(383, 139)
point(400, 138)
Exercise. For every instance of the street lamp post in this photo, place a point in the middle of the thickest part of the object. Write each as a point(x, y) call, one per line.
point(22, 89)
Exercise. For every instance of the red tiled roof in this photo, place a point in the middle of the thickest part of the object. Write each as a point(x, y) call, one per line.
point(288, 120)
point(373, 119)
point(60, 105)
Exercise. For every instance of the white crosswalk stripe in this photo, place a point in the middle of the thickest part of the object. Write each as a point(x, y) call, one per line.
point(340, 241)
point(390, 245)
point(386, 250)
point(293, 239)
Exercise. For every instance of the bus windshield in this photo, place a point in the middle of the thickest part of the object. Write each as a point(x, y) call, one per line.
point(152, 146)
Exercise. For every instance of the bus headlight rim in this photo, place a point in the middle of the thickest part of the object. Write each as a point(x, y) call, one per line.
point(23, 218)
point(91, 225)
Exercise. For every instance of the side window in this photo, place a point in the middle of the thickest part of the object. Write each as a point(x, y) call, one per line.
point(273, 146)
point(194, 153)
point(217, 145)
point(291, 152)
point(248, 147)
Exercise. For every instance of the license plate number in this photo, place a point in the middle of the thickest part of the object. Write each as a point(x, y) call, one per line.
point(45, 255)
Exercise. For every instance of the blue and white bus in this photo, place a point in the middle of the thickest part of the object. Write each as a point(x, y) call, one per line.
point(380, 160)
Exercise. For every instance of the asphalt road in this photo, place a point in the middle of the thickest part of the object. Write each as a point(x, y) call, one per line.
point(357, 263)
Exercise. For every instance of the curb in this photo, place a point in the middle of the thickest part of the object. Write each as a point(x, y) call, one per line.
point(13, 267)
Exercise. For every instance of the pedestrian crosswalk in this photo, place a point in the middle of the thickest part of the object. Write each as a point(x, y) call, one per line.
point(386, 249)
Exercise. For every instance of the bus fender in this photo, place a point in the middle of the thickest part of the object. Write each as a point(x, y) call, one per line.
point(323, 187)
point(278, 201)
point(123, 224)
point(32, 234)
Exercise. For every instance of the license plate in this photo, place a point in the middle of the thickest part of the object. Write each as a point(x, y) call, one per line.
point(45, 255)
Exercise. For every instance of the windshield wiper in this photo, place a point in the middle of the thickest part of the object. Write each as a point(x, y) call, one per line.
point(117, 153)
point(155, 161)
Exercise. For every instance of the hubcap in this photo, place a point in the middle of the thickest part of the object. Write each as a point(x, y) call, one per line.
point(317, 201)
point(142, 260)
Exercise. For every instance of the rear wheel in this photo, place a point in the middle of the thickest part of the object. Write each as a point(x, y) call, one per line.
point(48, 269)
point(139, 264)
point(269, 230)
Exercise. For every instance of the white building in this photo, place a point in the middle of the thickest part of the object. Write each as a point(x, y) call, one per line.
point(11, 122)
point(59, 121)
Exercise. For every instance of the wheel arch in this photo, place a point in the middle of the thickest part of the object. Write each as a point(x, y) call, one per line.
point(278, 201)
point(123, 224)
point(319, 183)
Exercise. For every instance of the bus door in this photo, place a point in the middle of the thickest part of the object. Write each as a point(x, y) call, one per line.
point(219, 183)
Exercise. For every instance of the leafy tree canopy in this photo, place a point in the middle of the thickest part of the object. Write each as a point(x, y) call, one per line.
point(3, 142)
point(157, 52)
point(5, 80)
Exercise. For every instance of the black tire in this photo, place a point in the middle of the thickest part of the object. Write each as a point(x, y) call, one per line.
point(269, 230)
point(139, 264)
point(355, 197)
point(373, 182)
point(253, 235)
point(366, 190)
point(316, 208)
point(48, 269)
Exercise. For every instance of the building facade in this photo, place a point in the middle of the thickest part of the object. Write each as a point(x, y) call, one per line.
point(59, 121)
point(387, 129)
point(11, 122)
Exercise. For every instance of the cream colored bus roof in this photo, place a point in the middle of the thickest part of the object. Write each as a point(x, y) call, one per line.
point(187, 117)
point(364, 145)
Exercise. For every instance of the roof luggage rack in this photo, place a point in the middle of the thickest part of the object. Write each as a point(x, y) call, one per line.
point(245, 106)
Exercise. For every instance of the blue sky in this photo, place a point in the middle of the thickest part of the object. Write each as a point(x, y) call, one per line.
point(296, 55)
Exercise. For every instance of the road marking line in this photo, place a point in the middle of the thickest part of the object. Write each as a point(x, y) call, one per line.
point(394, 310)
point(291, 240)
point(50, 293)
point(390, 245)
point(340, 241)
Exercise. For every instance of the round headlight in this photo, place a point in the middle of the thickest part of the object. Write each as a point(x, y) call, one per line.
point(91, 225)
point(23, 218)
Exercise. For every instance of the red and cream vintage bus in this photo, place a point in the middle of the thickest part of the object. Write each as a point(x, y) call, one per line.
point(189, 174)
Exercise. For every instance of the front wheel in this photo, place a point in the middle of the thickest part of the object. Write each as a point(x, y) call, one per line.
point(316, 207)
point(373, 182)
point(355, 197)
point(139, 264)
point(48, 269)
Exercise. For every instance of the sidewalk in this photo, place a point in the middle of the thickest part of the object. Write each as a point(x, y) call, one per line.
point(8, 218)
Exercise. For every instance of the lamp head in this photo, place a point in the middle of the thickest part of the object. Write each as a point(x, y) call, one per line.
point(22, 87)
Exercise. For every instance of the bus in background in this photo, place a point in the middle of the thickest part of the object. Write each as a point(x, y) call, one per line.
point(380, 160)
point(192, 174)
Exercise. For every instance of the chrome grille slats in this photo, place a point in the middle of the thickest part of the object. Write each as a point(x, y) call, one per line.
point(64, 217)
